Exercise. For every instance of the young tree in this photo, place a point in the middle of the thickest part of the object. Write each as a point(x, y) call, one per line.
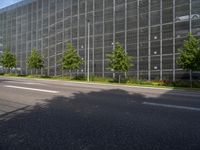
point(119, 60)
point(8, 60)
point(35, 60)
point(189, 58)
point(71, 60)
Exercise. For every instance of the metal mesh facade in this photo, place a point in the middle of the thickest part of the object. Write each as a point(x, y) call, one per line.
point(150, 30)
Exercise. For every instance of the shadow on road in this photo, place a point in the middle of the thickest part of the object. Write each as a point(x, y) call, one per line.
point(100, 120)
point(3, 80)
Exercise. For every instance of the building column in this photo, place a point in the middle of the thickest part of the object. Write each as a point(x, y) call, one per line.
point(114, 23)
point(48, 68)
point(161, 42)
point(93, 17)
point(174, 41)
point(103, 50)
point(125, 45)
point(190, 11)
point(149, 40)
point(138, 40)
point(55, 65)
point(85, 53)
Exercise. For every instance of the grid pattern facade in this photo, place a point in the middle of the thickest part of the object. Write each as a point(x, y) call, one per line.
point(149, 30)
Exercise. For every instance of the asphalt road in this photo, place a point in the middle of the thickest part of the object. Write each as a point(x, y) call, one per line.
point(57, 115)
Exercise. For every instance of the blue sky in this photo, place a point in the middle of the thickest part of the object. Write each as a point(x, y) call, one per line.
point(4, 3)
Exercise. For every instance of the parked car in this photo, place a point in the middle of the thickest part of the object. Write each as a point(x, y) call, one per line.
point(187, 17)
point(184, 33)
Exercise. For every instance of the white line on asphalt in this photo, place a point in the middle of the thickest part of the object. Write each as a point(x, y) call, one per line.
point(171, 106)
point(118, 86)
point(31, 83)
point(28, 83)
point(31, 89)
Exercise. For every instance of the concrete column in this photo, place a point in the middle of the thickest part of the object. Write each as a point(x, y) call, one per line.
point(93, 73)
point(85, 53)
point(161, 42)
point(55, 71)
point(103, 50)
point(174, 41)
point(138, 40)
point(149, 40)
point(190, 9)
point(48, 38)
point(114, 24)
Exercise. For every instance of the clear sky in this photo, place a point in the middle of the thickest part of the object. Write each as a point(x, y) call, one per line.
point(4, 3)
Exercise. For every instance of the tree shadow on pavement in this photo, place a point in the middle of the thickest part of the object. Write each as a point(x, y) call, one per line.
point(3, 80)
point(99, 120)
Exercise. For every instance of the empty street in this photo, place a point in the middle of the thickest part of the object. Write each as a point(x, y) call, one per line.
point(59, 115)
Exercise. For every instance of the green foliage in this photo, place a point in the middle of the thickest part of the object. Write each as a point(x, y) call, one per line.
point(7, 59)
point(71, 60)
point(101, 79)
point(35, 60)
point(189, 58)
point(128, 81)
point(119, 61)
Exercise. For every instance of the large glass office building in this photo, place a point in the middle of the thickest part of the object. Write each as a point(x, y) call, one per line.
point(150, 30)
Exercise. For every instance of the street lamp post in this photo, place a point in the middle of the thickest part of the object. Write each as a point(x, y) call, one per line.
point(1, 48)
point(113, 44)
point(88, 63)
point(1, 52)
point(1, 45)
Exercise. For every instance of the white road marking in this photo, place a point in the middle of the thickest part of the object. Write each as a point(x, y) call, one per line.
point(27, 83)
point(118, 86)
point(31, 83)
point(171, 106)
point(31, 89)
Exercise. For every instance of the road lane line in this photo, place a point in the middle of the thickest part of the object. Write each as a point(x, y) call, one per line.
point(28, 83)
point(171, 106)
point(31, 83)
point(31, 89)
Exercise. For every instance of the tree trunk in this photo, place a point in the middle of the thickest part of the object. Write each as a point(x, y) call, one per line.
point(70, 73)
point(125, 75)
point(113, 75)
point(119, 78)
point(191, 78)
point(41, 72)
point(77, 73)
point(8, 70)
point(15, 71)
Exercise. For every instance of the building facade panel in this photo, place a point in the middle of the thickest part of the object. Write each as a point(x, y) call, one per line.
point(150, 30)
